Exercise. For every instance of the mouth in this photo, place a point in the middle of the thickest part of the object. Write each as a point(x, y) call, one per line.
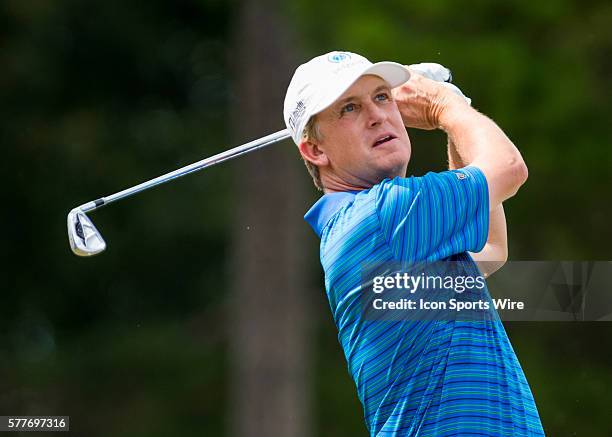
point(383, 139)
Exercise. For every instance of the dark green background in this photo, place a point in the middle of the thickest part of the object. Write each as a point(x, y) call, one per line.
point(96, 96)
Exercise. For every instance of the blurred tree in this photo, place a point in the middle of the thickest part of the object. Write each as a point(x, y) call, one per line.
point(270, 314)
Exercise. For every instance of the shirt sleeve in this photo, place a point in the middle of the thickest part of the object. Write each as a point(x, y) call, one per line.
point(436, 215)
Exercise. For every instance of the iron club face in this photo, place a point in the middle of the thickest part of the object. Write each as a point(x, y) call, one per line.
point(85, 239)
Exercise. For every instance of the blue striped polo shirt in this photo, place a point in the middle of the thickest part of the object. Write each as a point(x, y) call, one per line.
point(420, 377)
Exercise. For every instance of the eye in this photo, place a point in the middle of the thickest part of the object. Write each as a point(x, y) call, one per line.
point(382, 97)
point(350, 107)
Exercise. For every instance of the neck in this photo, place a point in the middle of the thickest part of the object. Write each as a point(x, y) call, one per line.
point(332, 183)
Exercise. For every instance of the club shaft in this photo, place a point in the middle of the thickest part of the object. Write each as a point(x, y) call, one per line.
point(191, 168)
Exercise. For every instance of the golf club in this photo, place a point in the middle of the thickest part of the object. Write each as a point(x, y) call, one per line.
point(86, 240)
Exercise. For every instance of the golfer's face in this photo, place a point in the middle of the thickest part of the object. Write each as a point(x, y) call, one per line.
point(363, 134)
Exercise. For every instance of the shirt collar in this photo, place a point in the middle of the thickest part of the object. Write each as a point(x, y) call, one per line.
point(326, 207)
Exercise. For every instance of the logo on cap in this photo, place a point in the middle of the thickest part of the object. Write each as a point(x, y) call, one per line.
point(338, 57)
point(298, 112)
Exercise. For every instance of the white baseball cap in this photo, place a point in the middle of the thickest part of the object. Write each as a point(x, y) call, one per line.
point(322, 80)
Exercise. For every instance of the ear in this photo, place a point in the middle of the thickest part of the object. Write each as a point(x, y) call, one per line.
point(313, 153)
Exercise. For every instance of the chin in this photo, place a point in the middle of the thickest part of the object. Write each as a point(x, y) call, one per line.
point(396, 167)
point(391, 172)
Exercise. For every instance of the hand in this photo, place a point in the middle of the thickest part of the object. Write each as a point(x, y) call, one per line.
point(421, 101)
point(439, 73)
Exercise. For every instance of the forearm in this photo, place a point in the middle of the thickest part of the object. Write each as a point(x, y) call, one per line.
point(498, 235)
point(454, 160)
point(495, 252)
point(425, 104)
point(474, 135)
point(480, 142)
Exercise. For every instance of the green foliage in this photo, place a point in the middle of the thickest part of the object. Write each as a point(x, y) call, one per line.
point(96, 96)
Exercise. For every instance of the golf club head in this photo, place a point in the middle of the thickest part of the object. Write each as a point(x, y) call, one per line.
point(85, 240)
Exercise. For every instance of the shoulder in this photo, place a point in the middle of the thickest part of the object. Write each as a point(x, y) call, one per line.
point(433, 183)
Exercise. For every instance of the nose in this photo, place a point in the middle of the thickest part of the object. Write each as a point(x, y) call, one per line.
point(376, 114)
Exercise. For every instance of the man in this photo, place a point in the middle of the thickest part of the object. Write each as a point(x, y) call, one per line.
point(348, 118)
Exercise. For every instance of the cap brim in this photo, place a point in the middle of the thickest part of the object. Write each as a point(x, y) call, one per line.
point(391, 72)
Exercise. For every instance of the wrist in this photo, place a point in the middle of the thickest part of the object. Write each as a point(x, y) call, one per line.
point(452, 113)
